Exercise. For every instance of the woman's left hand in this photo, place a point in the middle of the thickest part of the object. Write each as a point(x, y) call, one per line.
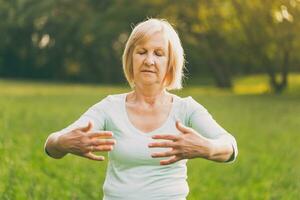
point(189, 144)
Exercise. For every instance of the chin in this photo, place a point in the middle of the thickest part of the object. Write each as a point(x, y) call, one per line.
point(150, 83)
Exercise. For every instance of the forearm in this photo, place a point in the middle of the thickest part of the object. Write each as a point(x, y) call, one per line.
point(222, 149)
point(52, 146)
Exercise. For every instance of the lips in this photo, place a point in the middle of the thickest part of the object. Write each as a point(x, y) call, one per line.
point(148, 71)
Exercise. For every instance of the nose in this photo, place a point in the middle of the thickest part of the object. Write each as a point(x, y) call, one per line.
point(149, 60)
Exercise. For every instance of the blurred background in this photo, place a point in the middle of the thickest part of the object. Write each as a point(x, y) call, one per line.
point(83, 41)
point(59, 57)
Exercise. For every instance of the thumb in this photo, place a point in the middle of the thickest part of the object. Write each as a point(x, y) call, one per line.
point(182, 128)
point(87, 128)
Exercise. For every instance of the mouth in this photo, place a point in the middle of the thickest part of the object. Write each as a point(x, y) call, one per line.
point(148, 71)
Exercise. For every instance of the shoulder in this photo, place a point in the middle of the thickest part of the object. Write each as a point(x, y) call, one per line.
point(186, 108)
point(190, 105)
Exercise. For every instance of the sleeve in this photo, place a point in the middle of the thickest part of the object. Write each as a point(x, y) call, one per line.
point(95, 114)
point(200, 120)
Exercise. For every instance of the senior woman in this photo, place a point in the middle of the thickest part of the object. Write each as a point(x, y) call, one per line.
point(149, 132)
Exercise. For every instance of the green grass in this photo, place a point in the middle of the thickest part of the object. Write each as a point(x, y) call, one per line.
point(265, 126)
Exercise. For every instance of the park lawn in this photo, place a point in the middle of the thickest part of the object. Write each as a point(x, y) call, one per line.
point(266, 127)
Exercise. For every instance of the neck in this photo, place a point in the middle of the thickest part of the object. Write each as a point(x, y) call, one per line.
point(150, 96)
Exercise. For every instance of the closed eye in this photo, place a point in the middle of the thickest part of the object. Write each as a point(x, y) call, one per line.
point(141, 51)
point(159, 53)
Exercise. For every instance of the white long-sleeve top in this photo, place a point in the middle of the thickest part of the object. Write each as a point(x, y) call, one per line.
point(132, 173)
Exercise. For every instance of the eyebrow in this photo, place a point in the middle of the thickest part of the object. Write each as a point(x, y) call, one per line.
point(156, 48)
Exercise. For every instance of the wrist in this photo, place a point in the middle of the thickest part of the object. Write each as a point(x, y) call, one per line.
point(220, 150)
point(59, 144)
point(54, 148)
point(205, 148)
point(212, 149)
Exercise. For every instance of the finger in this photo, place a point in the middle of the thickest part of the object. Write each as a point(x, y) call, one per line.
point(100, 134)
point(164, 154)
point(92, 156)
point(103, 148)
point(173, 159)
point(86, 128)
point(182, 128)
point(97, 142)
point(166, 137)
point(161, 144)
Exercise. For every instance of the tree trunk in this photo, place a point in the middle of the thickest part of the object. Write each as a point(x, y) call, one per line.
point(221, 76)
point(278, 85)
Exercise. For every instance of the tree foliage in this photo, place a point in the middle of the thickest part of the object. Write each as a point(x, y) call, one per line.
point(84, 40)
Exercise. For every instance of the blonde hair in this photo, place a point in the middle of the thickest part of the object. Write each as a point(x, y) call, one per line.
point(142, 32)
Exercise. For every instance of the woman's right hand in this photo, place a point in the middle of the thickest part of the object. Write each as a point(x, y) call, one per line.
point(83, 142)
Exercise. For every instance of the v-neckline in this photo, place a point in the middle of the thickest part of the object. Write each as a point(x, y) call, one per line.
point(149, 133)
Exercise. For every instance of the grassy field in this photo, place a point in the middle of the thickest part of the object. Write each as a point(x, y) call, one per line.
point(266, 126)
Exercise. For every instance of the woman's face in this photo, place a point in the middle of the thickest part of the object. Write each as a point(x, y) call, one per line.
point(150, 60)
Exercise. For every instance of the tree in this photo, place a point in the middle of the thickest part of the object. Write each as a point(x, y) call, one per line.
point(270, 30)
